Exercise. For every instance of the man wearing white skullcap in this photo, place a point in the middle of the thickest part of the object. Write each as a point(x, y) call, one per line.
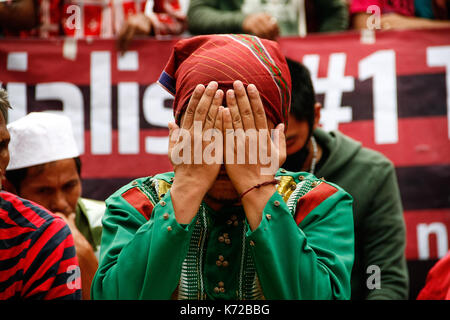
point(45, 168)
point(37, 248)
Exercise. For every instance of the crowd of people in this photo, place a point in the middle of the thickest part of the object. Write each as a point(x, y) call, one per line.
point(267, 19)
point(218, 230)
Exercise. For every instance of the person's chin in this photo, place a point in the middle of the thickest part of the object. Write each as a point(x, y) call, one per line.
point(223, 190)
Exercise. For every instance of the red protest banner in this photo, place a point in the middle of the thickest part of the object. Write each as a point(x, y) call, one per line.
point(392, 95)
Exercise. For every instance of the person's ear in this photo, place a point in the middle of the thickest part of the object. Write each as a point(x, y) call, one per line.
point(317, 107)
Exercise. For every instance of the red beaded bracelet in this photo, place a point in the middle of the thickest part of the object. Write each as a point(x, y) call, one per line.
point(274, 181)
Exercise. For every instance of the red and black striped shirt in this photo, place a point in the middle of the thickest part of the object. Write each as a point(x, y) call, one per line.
point(37, 253)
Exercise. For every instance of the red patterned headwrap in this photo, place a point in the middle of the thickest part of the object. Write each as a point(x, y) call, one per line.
point(226, 58)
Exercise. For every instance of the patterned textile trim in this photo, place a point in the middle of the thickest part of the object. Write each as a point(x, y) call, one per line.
point(191, 283)
point(167, 82)
point(313, 199)
point(251, 288)
point(286, 185)
point(302, 188)
point(140, 201)
point(150, 190)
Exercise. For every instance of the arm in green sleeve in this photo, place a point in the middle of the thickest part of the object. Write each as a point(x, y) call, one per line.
point(140, 259)
point(309, 261)
point(385, 238)
point(333, 15)
point(207, 17)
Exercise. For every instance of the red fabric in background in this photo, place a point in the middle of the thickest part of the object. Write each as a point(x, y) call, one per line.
point(437, 286)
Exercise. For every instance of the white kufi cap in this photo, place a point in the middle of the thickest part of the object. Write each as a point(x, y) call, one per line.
point(40, 137)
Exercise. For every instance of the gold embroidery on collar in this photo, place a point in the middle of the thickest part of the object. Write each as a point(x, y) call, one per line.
point(286, 186)
point(163, 187)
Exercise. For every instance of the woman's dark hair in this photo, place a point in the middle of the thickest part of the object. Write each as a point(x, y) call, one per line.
point(15, 177)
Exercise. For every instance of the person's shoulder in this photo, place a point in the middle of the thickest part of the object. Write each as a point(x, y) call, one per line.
point(372, 159)
point(303, 183)
point(362, 156)
point(34, 221)
point(92, 203)
point(93, 210)
point(143, 193)
point(26, 213)
point(303, 193)
point(158, 182)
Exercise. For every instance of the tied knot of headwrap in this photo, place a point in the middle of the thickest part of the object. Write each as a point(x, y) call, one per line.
point(225, 59)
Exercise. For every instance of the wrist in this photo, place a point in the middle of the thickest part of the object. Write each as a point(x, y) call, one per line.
point(187, 196)
point(254, 203)
point(245, 183)
point(259, 188)
point(188, 183)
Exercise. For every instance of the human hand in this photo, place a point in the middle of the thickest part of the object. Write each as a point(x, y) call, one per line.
point(82, 246)
point(137, 24)
point(246, 116)
point(196, 166)
point(262, 25)
point(396, 21)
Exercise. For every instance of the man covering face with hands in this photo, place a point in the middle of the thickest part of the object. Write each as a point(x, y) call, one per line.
point(227, 223)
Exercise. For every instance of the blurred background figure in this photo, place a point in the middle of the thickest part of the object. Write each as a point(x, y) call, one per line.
point(368, 176)
point(405, 14)
point(38, 259)
point(160, 17)
point(92, 18)
point(17, 15)
point(45, 168)
point(267, 18)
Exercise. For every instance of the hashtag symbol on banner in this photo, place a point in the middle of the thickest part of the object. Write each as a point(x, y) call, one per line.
point(333, 86)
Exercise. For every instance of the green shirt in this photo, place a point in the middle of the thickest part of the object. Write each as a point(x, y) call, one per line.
point(302, 249)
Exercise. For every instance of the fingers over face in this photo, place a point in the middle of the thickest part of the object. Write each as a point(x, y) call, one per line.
point(259, 115)
point(234, 110)
point(174, 134)
point(244, 106)
point(227, 133)
point(213, 110)
point(281, 138)
point(188, 119)
point(227, 120)
point(205, 102)
point(280, 143)
point(218, 124)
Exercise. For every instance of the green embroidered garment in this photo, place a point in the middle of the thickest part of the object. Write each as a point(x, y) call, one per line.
point(302, 249)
